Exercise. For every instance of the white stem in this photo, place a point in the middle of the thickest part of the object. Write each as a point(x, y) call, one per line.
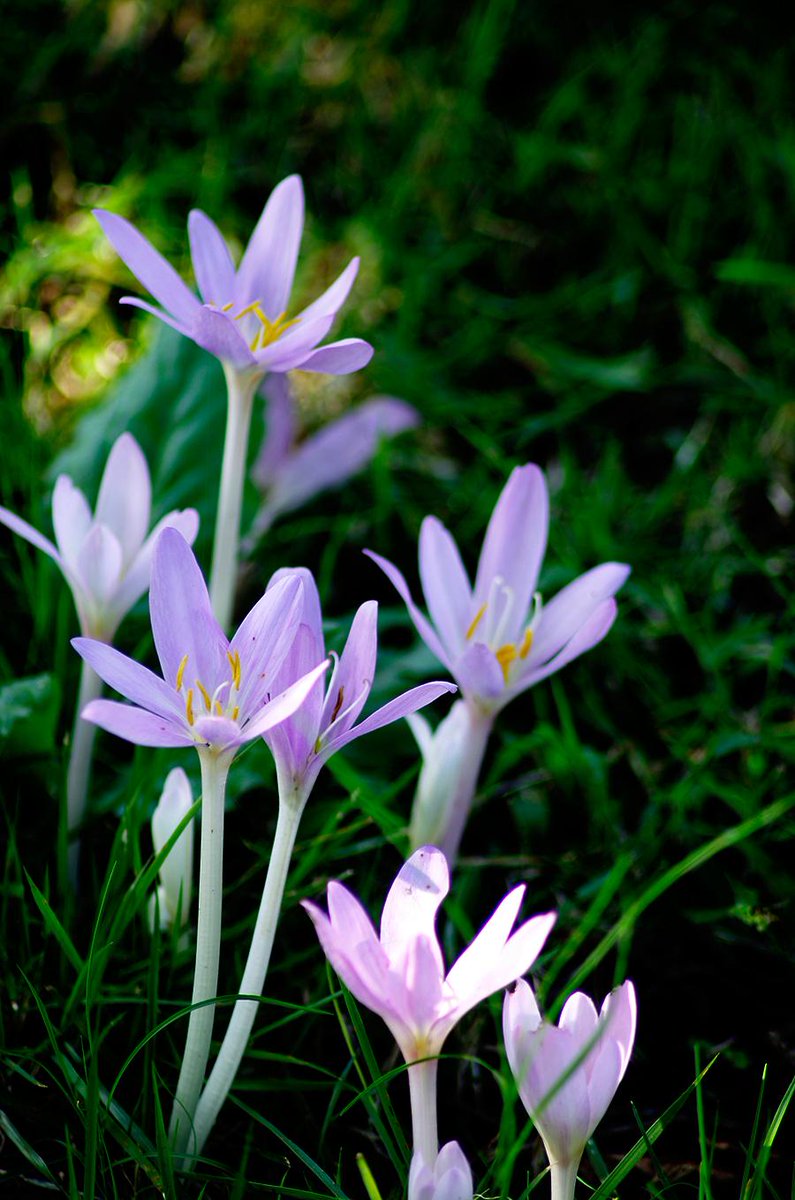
point(80, 755)
point(234, 1044)
point(241, 387)
point(214, 771)
point(422, 1086)
point(564, 1177)
point(475, 743)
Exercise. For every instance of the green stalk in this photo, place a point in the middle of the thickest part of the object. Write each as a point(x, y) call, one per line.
point(241, 387)
point(214, 771)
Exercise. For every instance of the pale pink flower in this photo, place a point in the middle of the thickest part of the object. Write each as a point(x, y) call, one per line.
point(450, 1177)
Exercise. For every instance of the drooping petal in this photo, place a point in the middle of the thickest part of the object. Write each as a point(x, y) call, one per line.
point(182, 617)
point(215, 332)
point(445, 584)
point(586, 637)
point(71, 519)
point(412, 904)
point(331, 301)
point(339, 358)
point(17, 525)
point(137, 576)
point(212, 262)
point(290, 350)
point(401, 706)
point(132, 680)
point(479, 673)
point(572, 607)
point(135, 725)
point(267, 268)
point(148, 266)
point(354, 675)
point(421, 623)
point(125, 496)
point(516, 538)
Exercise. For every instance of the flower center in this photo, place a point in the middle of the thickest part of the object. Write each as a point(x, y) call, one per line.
point(223, 701)
point(497, 611)
point(267, 332)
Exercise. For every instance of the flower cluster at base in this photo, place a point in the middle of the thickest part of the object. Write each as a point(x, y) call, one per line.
point(106, 556)
point(449, 1178)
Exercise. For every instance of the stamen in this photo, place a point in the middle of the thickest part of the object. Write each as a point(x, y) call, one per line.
point(235, 712)
point(189, 706)
point(234, 662)
point(228, 307)
point(208, 704)
point(505, 656)
point(181, 671)
point(473, 624)
point(337, 705)
point(219, 711)
point(527, 642)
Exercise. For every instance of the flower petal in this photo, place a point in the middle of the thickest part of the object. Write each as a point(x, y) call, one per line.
point(339, 358)
point(478, 672)
point(487, 965)
point(17, 525)
point(136, 302)
point(331, 301)
point(290, 350)
point(586, 637)
point(411, 905)
point(263, 641)
point(71, 520)
point(182, 616)
point(445, 584)
point(216, 333)
point(148, 266)
point(421, 623)
point(620, 1015)
point(212, 262)
point(292, 742)
point(137, 576)
point(516, 538)
point(401, 706)
point(267, 268)
point(125, 496)
point(99, 565)
point(132, 680)
point(284, 705)
point(135, 725)
point(572, 607)
point(353, 677)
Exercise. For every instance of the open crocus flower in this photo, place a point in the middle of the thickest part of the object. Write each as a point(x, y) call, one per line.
point(106, 556)
point(242, 316)
point(568, 1073)
point(326, 720)
point(215, 694)
point(497, 639)
point(450, 1177)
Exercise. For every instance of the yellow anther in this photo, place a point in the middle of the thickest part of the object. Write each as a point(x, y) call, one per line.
point(234, 662)
point(250, 308)
point(208, 704)
point(181, 671)
point(473, 624)
point(228, 307)
point(235, 712)
point(189, 706)
point(527, 642)
point(218, 710)
point(505, 656)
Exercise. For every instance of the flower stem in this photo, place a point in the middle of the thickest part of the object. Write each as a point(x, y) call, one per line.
point(241, 387)
point(234, 1044)
point(422, 1087)
point(79, 769)
point(474, 748)
point(214, 771)
point(564, 1177)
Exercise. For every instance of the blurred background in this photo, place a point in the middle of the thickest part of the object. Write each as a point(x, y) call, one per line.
point(578, 248)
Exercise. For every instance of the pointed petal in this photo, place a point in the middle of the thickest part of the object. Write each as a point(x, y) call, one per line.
point(339, 358)
point(311, 615)
point(135, 682)
point(182, 616)
point(580, 1018)
point(216, 333)
point(421, 623)
point(572, 607)
point(359, 964)
point(620, 1015)
point(515, 541)
point(411, 905)
point(135, 725)
point(18, 526)
point(136, 579)
point(353, 677)
point(263, 641)
point(479, 673)
point(71, 519)
point(148, 266)
point(125, 496)
point(182, 327)
point(290, 350)
point(267, 268)
point(212, 262)
point(292, 743)
point(284, 705)
point(401, 706)
point(602, 1084)
point(331, 301)
point(99, 565)
point(586, 637)
point(486, 966)
point(445, 584)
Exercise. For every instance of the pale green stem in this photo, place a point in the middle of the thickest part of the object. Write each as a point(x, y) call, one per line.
point(235, 1041)
point(214, 771)
point(475, 743)
point(564, 1177)
point(80, 756)
point(422, 1087)
point(241, 387)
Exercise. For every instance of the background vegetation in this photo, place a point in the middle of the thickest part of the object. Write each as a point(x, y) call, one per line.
point(577, 249)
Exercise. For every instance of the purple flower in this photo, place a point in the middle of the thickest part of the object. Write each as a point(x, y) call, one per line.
point(450, 1177)
point(215, 694)
point(326, 720)
point(176, 872)
point(290, 473)
point(243, 318)
point(568, 1073)
point(497, 639)
point(105, 557)
point(401, 975)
